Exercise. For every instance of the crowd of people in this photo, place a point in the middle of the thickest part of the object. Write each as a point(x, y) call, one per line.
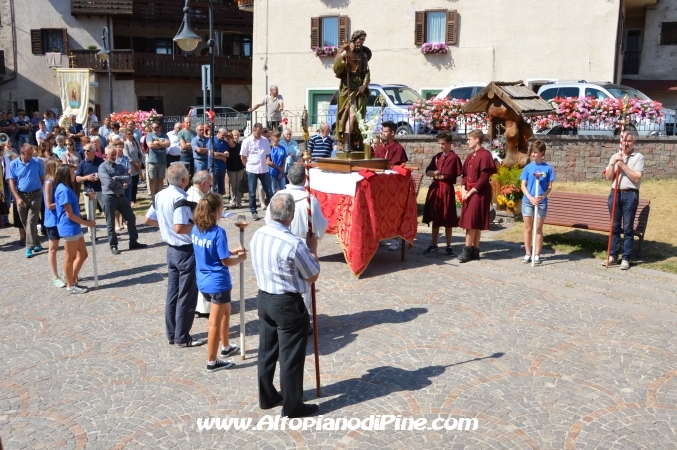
point(106, 164)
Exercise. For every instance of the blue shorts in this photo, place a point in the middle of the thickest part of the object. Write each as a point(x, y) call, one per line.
point(53, 233)
point(528, 209)
point(218, 299)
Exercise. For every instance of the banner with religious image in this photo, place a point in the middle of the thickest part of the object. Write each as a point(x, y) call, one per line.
point(74, 93)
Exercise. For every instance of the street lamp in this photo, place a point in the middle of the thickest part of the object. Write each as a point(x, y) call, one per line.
point(187, 41)
point(104, 55)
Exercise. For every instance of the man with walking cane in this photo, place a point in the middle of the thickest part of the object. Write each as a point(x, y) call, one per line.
point(284, 267)
point(625, 168)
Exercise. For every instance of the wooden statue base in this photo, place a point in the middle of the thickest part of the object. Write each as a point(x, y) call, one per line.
point(353, 156)
point(351, 165)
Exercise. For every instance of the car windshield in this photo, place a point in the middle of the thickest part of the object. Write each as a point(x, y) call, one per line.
point(402, 95)
point(622, 91)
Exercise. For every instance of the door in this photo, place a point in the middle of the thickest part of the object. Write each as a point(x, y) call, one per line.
point(148, 103)
point(633, 51)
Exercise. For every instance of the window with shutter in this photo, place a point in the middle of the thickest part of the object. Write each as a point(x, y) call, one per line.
point(343, 35)
point(36, 42)
point(419, 29)
point(452, 27)
point(669, 33)
point(314, 32)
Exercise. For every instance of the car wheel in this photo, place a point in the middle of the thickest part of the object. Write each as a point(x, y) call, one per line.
point(404, 129)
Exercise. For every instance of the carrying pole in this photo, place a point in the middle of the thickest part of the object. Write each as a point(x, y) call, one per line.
point(91, 198)
point(533, 234)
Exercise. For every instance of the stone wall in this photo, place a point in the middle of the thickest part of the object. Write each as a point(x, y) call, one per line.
point(574, 158)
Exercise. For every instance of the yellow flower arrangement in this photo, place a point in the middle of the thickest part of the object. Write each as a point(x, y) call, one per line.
point(511, 204)
point(501, 200)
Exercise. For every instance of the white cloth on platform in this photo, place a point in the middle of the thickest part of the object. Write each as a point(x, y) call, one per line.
point(337, 183)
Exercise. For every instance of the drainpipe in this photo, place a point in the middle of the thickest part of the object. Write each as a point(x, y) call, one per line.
point(13, 25)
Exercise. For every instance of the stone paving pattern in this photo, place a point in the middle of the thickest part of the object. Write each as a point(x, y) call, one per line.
point(563, 356)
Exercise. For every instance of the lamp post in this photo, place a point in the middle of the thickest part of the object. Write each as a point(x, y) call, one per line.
point(104, 55)
point(188, 41)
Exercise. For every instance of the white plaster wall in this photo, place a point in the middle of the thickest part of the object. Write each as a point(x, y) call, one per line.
point(124, 97)
point(34, 79)
point(498, 40)
point(658, 61)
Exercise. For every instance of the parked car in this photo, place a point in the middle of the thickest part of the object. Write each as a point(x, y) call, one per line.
point(462, 91)
point(398, 100)
point(606, 90)
point(225, 117)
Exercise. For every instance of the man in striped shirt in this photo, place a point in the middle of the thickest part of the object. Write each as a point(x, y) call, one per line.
point(321, 145)
point(284, 267)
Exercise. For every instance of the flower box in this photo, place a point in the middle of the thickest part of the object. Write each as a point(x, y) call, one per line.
point(439, 48)
point(326, 52)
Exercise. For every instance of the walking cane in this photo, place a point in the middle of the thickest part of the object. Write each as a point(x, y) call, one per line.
point(91, 198)
point(316, 341)
point(533, 238)
point(241, 223)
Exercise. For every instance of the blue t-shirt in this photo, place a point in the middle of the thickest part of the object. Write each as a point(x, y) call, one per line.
point(156, 156)
point(87, 167)
point(64, 196)
point(50, 214)
point(547, 178)
point(220, 147)
point(27, 176)
point(210, 248)
point(278, 155)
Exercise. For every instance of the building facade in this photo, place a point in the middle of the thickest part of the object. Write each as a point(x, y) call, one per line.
point(148, 69)
point(487, 40)
point(650, 50)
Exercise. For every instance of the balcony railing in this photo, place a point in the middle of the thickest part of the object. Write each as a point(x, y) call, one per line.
point(179, 66)
point(169, 13)
point(631, 63)
point(151, 65)
point(102, 7)
point(121, 61)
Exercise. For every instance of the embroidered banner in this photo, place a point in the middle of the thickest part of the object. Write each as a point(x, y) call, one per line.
point(74, 93)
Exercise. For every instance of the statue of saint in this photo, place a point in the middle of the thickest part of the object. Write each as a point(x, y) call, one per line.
point(351, 66)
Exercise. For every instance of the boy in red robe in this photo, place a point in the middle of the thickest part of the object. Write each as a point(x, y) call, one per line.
point(440, 204)
point(390, 149)
point(476, 192)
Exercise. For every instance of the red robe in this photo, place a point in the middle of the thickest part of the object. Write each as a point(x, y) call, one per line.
point(440, 204)
point(477, 169)
point(393, 152)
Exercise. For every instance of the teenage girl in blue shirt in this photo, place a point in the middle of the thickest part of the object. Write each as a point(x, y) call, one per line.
point(212, 259)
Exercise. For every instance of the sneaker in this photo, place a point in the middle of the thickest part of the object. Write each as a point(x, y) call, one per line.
point(58, 282)
point(255, 217)
point(432, 248)
point(29, 253)
point(192, 343)
point(37, 248)
point(394, 245)
point(230, 350)
point(76, 290)
point(449, 250)
point(625, 264)
point(612, 261)
point(114, 250)
point(537, 260)
point(526, 259)
point(219, 365)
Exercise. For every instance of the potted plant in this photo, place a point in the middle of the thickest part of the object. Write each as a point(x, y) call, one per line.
point(326, 52)
point(439, 48)
point(510, 194)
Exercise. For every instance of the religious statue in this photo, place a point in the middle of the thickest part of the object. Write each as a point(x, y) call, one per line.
point(351, 66)
point(517, 132)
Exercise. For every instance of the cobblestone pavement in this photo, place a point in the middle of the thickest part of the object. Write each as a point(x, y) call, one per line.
point(566, 355)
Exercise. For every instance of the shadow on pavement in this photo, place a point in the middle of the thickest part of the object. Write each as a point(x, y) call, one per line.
point(336, 332)
point(380, 382)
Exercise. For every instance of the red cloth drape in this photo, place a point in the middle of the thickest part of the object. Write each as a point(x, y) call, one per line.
point(383, 207)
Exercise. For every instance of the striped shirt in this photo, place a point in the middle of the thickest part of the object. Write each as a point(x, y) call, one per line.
point(282, 262)
point(320, 147)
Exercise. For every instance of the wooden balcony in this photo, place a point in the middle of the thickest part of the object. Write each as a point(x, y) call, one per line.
point(169, 13)
point(121, 61)
point(169, 67)
point(165, 67)
point(102, 7)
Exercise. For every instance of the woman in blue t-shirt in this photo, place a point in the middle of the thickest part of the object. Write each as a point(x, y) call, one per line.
point(212, 259)
point(537, 171)
point(69, 225)
point(49, 189)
